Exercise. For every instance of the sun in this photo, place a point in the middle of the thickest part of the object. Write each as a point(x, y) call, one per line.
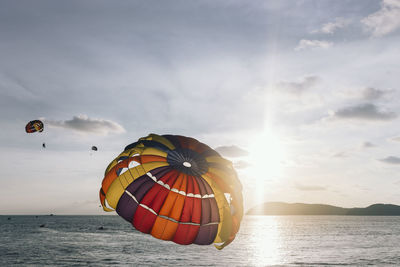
point(267, 154)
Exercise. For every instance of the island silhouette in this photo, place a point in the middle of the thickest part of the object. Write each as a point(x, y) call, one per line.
point(282, 208)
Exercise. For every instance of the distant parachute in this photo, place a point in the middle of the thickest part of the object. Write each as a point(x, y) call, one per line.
point(175, 188)
point(44, 145)
point(34, 126)
point(94, 148)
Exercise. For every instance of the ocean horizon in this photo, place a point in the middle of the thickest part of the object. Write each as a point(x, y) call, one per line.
point(98, 240)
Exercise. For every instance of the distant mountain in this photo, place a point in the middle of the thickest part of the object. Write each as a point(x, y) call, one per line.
point(281, 208)
point(376, 209)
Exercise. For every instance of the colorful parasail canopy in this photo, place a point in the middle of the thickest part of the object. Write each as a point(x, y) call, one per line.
point(34, 126)
point(94, 148)
point(175, 188)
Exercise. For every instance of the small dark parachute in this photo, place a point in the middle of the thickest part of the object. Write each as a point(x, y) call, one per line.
point(94, 148)
point(34, 126)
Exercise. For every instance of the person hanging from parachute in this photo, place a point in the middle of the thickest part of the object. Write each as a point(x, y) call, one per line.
point(175, 188)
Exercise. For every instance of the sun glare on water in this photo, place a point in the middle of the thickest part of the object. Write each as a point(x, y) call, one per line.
point(265, 241)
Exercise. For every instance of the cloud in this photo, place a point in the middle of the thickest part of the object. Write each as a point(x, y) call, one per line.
point(341, 154)
point(302, 187)
point(299, 87)
point(241, 164)
point(15, 87)
point(395, 139)
point(391, 160)
point(331, 27)
point(312, 44)
point(83, 123)
point(366, 111)
point(372, 93)
point(361, 187)
point(232, 151)
point(385, 20)
point(368, 145)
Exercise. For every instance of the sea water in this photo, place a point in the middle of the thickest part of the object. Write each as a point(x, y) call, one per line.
point(261, 241)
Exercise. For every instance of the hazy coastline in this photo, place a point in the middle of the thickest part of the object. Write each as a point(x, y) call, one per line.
point(282, 208)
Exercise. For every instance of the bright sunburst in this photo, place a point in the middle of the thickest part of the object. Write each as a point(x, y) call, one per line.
point(267, 154)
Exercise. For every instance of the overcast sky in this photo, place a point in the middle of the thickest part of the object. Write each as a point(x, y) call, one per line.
point(303, 96)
